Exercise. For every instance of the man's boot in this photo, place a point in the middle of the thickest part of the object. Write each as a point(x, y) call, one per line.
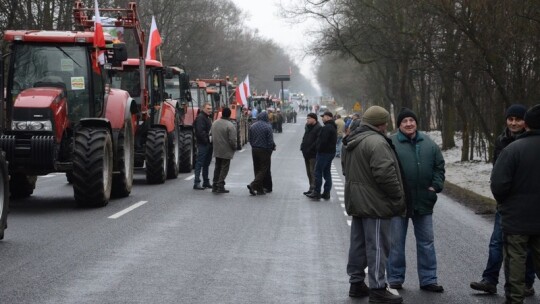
point(314, 195)
point(384, 296)
point(222, 190)
point(325, 195)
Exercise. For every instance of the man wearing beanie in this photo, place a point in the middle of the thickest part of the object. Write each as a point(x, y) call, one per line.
point(423, 169)
point(373, 195)
point(309, 148)
point(514, 184)
point(515, 125)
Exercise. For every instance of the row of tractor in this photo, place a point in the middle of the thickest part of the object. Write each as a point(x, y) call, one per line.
point(95, 114)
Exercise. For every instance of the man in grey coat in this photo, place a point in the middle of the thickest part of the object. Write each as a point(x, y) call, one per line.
point(374, 193)
point(224, 141)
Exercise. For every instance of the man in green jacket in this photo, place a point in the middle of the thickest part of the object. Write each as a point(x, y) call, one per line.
point(373, 195)
point(423, 170)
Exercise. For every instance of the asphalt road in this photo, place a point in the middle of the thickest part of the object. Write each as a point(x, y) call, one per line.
point(180, 245)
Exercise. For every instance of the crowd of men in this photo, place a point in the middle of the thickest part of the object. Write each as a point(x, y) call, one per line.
point(392, 181)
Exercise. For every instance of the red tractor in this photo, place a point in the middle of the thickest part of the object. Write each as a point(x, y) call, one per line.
point(156, 129)
point(177, 85)
point(61, 117)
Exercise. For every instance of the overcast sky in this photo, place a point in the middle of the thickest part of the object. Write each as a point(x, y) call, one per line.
point(264, 16)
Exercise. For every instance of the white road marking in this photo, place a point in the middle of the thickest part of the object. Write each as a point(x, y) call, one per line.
point(135, 206)
point(340, 188)
point(341, 199)
point(345, 212)
point(190, 177)
point(342, 205)
point(349, 222)
point(337, 183)
point(241, 150)
point(49, 175)
point(340, 193)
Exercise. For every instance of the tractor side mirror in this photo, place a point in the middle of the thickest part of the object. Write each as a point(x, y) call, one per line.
point(117, 54)
point(169, 73)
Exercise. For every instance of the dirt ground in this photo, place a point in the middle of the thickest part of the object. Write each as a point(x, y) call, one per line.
point(478, 203)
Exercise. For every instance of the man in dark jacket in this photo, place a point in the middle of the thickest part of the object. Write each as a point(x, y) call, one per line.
point(423, 170)
point(373, 195)
point(309, 148)
point(514, 184)
point(515, 126)
point(261, 139)
point(202, 126)
point(326, 151)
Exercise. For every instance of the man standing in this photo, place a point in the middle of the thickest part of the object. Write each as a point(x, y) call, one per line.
point(261, 139)
point(514, 184)
point(326, 150)
point(309, 148)
point(340, 126)
point(423, 170)
point(373, 195)
point(224, 142)
point(202, 126)
point(515, 126)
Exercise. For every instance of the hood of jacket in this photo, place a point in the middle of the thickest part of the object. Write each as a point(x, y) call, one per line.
point(263, 116)
point(359, 134)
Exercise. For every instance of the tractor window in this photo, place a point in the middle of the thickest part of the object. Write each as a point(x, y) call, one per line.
point(129, 81)
point(172, 86)
point(65, 67)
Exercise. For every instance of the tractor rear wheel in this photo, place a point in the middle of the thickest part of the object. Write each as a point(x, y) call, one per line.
point(187, 147)
point(22, 185)
point(92, 166)
point(156, 156)
point(4, 194)
point(174, 152)
point(123, 179)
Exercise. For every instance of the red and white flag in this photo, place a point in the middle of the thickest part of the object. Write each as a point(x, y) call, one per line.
point(99, 38)
point(242, 92)
point(154, 40)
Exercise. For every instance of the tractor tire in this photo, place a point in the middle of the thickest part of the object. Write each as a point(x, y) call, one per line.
point(174, 152)
point(4, 194)
point(156, 156)
point(238, 136)
point(187, 151)
point(92, 167)
point(22, 185)
point(123, 179)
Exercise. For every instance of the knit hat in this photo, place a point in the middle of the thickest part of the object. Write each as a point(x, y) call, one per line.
point(532, 117)
point(226, 113)
point(516, 110)
point(312, 115)
point(404, 113)
point(375, 116)
point(327, 113)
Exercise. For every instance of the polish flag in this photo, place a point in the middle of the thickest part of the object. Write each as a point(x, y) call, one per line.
point(99, 38)
point(245, 85)
point(243, 92)
point(153, 41)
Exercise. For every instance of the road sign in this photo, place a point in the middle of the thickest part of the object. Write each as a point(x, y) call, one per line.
point(357, 107)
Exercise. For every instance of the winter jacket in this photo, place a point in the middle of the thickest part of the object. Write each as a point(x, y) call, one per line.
point(423, 167)
point(224, 138)
point(260, 133)
point(340, 126)
point(326, 141)
point(309, 141)
point(502, 141)
point(514, 184)
point(202, 126)
point(374, 187)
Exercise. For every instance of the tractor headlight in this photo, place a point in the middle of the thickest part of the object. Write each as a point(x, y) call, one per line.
point(33, 125)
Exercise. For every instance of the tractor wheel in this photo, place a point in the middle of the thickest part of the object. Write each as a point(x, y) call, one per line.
point(238, 136)
point(156, 156)
point(4, 194)
point(92, 167)
point(123, 179)
point(187, 147)
point(22, 185)
point(174, 152)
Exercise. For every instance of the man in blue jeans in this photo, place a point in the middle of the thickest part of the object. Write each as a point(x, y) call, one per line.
point(515, 125)
point(202, 126)
point(326, 151)
point(423, 172)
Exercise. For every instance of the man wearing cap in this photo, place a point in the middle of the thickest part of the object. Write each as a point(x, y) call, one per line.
point(261, 139)
point(514, 184)
point(515, 126)
point(423, 170)
point(374, 194)
point(309, 148)
point(326, 150)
